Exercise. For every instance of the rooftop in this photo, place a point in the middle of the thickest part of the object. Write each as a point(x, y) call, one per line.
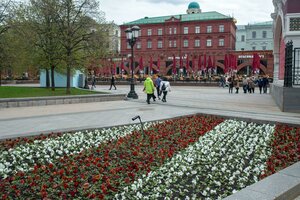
point(184, 18)
point(267, 23)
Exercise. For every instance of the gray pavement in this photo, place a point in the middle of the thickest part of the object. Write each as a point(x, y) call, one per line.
point(182, 100)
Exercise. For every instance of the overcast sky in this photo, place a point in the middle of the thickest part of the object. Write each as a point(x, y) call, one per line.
point(244, 11)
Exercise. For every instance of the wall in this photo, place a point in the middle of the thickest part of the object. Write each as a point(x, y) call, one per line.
point(60, 79)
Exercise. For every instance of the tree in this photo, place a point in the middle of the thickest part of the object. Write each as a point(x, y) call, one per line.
point(5, 6)
point(42, 19)
point(76, 20)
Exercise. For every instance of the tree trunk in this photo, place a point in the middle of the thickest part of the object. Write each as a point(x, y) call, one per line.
point(0, 75)
point(52, 78)
point(47, 79)
point(68, 79)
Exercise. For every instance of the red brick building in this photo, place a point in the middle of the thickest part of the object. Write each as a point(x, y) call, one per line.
point(195, 34)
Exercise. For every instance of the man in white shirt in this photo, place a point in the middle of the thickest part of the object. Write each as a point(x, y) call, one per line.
point(165, 87)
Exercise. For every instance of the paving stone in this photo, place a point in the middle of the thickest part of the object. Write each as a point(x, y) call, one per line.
point(246, 194)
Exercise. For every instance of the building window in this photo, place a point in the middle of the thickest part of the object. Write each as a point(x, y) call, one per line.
point(264, 34)
point(197, 43)
point(243, 38)
point(253, 34)
point(264, 48)
point(138, 45)
point(170, 31)
point(140, 33)
point(221, 42)
point(294, 24)
point(128, 46)
point(208, 43)
point(221, 28)
point(197, 29)
point(149, 44)
point(175, 30)
point(185, 30)
point(253, 48)
point(170, 43)
point(209, 29)
point(149, 32)
point(175, 43)
point(242, 49)
point(159, 44)
point(185, 43)
point(159, 31)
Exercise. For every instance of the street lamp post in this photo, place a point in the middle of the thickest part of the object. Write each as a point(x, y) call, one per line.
point(132, 35)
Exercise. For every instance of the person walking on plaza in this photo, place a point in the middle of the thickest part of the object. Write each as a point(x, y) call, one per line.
point(157, 85)
point(236, 84)
point(93, 82)
point(260, 84)
point(251, 85)
point(230, 82)
point(165, 87)
point(245, 84)
point(149, 89)
point(265, 84)
point(112, 82)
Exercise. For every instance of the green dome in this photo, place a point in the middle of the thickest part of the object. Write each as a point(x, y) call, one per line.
point(194, 5)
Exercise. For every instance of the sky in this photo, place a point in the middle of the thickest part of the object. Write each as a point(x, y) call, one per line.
point(244, 11)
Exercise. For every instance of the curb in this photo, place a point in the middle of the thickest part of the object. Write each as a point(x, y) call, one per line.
point(55, 100)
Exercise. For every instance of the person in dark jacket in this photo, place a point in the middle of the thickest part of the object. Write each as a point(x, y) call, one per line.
point(260, 84)
point(265, 83)
point(112, 83)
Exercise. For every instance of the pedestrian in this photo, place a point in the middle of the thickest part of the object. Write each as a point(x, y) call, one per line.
point(245, 84)
point(165, 87)
point(230, 82)
point(157, 85)
point(93, 82)
point(265, 84)
point(251, 85)
point(149, 89)
point(112, 82)
point(260, 84)
point(236, 84)
point(222, 81)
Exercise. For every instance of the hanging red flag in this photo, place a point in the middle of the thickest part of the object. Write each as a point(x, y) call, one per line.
point(122, 64)
point(180, 62)
point(141, 63)
point(209, 63)
point(226, 64)
point(255, 62)
point(150, 63)
point(158, 64)
point(193, 64)
point(174, 65)
point(204, 62)
point(214, 61)
point(235, 63)
point(187, 63)
point(199, 63)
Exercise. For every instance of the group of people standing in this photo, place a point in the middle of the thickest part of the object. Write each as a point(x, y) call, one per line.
point(249, 84)
point(162, 88)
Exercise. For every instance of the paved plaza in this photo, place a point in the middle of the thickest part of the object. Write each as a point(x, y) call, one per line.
point(182, 100)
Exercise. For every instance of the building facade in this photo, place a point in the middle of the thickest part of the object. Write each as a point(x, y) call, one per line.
point(257, 36)
point(187, 35)
point(285, 91)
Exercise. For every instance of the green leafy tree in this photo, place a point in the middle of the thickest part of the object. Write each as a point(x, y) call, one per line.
point(5, 7)
point(76, 20)
point(43, 23)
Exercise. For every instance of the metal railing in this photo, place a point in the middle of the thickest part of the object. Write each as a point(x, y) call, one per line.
point(296, 67)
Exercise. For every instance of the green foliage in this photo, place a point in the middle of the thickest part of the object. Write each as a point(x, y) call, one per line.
point(18, 92)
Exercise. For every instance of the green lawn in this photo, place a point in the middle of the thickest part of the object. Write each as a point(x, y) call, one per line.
point(16, 92)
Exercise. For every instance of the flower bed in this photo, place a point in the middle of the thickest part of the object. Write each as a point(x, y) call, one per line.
point(185, 158)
